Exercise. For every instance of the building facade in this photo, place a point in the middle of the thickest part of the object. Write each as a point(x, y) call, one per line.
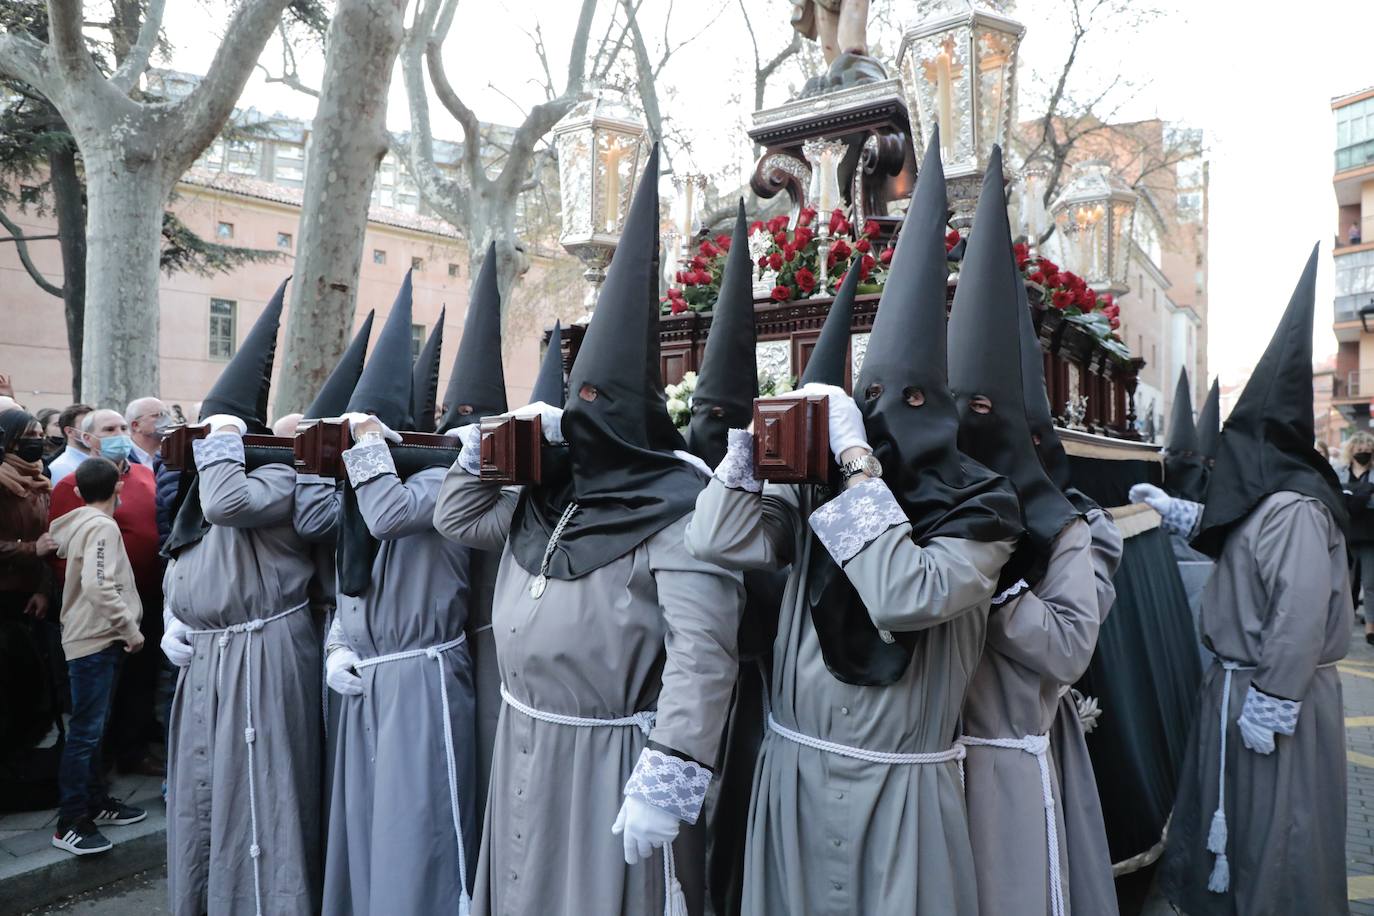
point(1353, 253)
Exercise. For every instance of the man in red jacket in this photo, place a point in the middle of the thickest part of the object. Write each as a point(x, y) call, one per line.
point(132, 721)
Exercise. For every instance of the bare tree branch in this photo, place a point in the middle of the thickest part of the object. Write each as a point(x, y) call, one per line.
point(21, 58)
point(21, 246)
point(136, 62)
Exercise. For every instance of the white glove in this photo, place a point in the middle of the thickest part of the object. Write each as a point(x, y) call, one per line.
point(1255, 736)
point(1152, 496)
point(175, 644)
point(644, 828)
point(219, 421)
point(550, 419)
point(339, 672)
point(358, 419)
point(846, 423)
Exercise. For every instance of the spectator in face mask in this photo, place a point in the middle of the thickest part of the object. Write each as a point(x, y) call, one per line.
point(53, 440)
point(132, 722)
point(70, 421)
point(1357, 457)
point(149, 420)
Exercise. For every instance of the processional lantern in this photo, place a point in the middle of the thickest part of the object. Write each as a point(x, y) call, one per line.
point(1095, 214)
point(602, 145)
point(958, 70)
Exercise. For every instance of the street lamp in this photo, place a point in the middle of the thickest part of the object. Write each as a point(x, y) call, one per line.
point(601, 147)
point(958, 71)
point(1096, 212)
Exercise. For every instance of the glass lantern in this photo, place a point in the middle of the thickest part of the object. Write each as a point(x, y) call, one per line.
point(601, 145)
point(1095, 213)
point(958, 70)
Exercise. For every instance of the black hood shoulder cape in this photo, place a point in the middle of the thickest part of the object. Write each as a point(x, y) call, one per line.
point(424, 380)
point(1209, 425)
point(332, 399)
point(986, 376)
point(913, 425)
point(620, 467)
point(1268, 443)
point(241, 391)
point(1185, 472)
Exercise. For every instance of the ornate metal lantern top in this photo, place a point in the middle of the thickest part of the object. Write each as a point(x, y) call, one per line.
point(601, 145)
point(1096, 212)
point(958, 70)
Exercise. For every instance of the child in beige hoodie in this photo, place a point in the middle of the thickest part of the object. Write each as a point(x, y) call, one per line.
point(100, 617)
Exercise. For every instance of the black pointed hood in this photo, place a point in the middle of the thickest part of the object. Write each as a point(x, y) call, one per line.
point(1185, 474)
point(243, 386)
point(477, 386)
point(424, 379)
point(1268, 442)
point(728, 380)
point(548, 384)
point(332, 400)
point(626, 481)
point(384, 387)
point(1209, 424)
point(830, 355)
point(985, 366)
point(912, 422)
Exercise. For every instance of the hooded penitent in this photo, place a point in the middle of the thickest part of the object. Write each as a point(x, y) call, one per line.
point(985, 373)
point(1185, 474)
point(241, 391)
point(826, 364)
point(727, 382)
point(1267, 445)
point(624, 478)
point(911, 422)
point(548, 384)
point(1209, 425)
point(332, 400)
point(424, 379)
point(477, 387)
point(383, 390)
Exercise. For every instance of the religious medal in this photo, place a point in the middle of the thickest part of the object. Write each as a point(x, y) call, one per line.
point(541, 581)
point(538, 585)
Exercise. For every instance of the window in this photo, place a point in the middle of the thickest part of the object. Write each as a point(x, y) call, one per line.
point(453, 270)
point(284, 240)
point(223, 318)
point(378, 256)
point(224, 230)
point(417, 340)
point(288, 164)
point(417, 263)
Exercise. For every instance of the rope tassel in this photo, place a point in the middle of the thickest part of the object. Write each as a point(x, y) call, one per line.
point(1220, 882)
point(1216, 834)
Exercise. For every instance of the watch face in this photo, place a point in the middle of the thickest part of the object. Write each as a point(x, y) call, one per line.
point(872, 466)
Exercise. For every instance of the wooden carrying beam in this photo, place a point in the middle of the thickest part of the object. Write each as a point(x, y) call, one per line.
point(792, 439)
point(319, 448)
point(178, 451)
point(511, 450)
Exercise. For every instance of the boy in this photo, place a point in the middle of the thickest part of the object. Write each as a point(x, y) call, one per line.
point(100, 617)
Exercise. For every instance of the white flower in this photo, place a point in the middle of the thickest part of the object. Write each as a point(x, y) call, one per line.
point(676, 405)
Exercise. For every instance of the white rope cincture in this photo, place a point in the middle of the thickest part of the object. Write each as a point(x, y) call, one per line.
point(1220, 879)
point(324, 669)
point(1037, 746)
point(450, 758)
point(955, 753)
point(248, 628)
point(674, 903)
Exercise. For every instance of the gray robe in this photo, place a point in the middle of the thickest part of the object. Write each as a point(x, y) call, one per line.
point(1038, 641)
point(250, 565)
point(391, 845)
point(831, 835)
point(1279, 603)
point(1092, 889)
point(653, 629)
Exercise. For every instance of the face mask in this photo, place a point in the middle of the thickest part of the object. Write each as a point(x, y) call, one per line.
point(56, 443)
point(116, 448)
point(29, 449)
point(1363, 457)
point(163, 424)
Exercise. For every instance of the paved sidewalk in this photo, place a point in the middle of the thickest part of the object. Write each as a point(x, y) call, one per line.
point(1357, 681)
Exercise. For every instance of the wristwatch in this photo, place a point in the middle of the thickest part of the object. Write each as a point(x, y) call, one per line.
point(866, 464)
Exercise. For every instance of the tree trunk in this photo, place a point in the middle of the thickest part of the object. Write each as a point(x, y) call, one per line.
point(347, 144)
point(123, 242)
point(69, 206)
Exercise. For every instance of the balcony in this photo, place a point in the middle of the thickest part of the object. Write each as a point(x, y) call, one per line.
point(1354, 156)
point(1355, 385)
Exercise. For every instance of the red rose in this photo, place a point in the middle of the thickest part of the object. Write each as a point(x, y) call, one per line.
point(788, 253)
point(867, 264)
point(871, 229)
point(885, 256)
point(723, 242)
point(1112, 311)
point(837, 221)
point(780, 238)
point(755, 226)
point(707, 250)
point(775, 260)
point(781, 293)
point(839, 281)
point(1037, 276)
point(678, 277)
point(1087, 300)
point(1107, 300)
point(806, 215)
point(698, 262)
point(1076, 283)
point(1054, 279)
point(777, 224)
point(840, 250)
point(1048, 266)
point(952, 237)
point(703, 277)
point(1061, 299)
point(862, 246)
point(806, 280)
point(1022, 252)
point(802, 236)
point(763, 261)
point(1114, 323)
point(674, 293)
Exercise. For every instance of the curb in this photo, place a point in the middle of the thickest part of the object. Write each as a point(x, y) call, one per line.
point(53, 875)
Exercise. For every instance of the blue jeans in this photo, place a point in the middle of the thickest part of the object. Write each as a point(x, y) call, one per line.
point(80, 777)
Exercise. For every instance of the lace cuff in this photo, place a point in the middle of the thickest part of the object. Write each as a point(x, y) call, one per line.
point(850, 521)
point(470, 457)
point(736, 469)
point(675, 785)
point(217, 449)
point(1182, 518)
point(368, 461)
point(1273, 713)
point(1016, 588)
